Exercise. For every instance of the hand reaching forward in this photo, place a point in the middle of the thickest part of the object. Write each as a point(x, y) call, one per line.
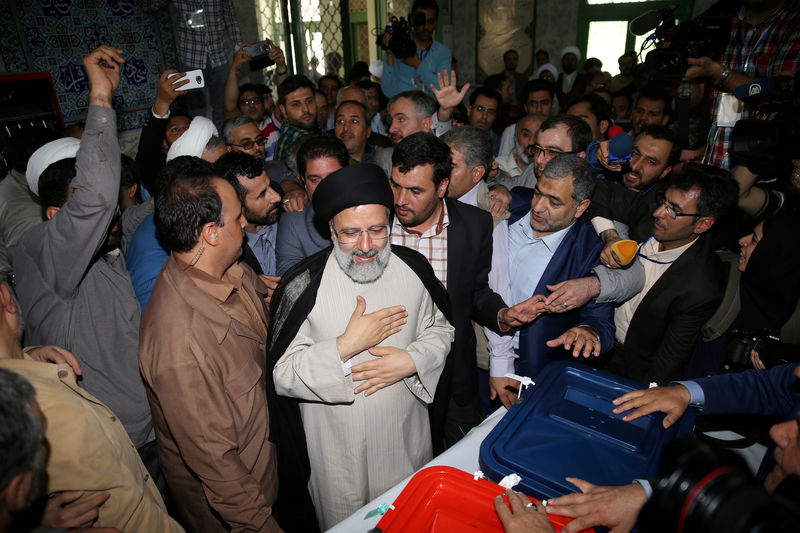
point(57, 355)
point(365, 331)
point(580, 339)
point(392, 365)
point(613, 507)
point(672, 400)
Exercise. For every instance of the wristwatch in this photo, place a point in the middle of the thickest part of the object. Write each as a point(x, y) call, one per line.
point(725, 73)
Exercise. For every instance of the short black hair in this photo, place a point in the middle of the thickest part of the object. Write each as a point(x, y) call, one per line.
point(185, 165)
point(234, 164)
point(129, 176)
point(291, 84)
point(510, 51)
point(488, 93)
point(579, 131)
point(423, 149)
point(260, 89)
point(597, 106)
point(663, 133)
point(719, 192)
point(592, 62)
point(54, 183)
point(542, 51)
point(333, 77)
point(24, 142)
point(426, 4)
point(539, 85)
point(360, 70)
point(317, 147)
point(184, 206)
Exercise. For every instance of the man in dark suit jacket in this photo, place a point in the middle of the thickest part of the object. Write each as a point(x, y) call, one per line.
point(456, 239)
point(260, 199)
point(551, 244)
point(657, 328)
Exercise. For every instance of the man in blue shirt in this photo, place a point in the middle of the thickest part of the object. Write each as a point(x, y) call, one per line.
point(417, 72)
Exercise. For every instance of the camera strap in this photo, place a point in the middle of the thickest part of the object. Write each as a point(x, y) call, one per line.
point(731, 303)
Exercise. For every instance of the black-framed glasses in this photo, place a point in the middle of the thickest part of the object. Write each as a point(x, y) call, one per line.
point(549, 152)
point(670, 210)
point(250, 101)
point(353, 235)
point(487, 110)
point(249, 145)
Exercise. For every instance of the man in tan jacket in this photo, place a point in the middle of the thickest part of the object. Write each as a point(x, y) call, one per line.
point(201, 354)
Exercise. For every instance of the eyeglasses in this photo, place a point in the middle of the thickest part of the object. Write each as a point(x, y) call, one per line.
point(662, 202)
point(352, 235)
point(249, 145)
point(249, 101)
point(488, 110)
point(548, 152)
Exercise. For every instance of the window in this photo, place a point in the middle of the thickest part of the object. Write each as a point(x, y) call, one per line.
point(603, 27)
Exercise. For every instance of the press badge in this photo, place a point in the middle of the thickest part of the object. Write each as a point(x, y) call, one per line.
point(195, 19)
point(729, 111)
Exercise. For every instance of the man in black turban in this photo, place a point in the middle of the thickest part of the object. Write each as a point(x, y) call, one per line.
point(359, 336)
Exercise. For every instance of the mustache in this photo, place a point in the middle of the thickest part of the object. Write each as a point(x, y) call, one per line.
point(371, 253)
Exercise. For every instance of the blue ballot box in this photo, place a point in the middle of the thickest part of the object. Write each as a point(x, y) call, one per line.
point(564, 426)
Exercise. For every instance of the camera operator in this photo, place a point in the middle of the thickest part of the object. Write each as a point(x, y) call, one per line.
point(764, 392)
point(417, 72)
point(764, 42)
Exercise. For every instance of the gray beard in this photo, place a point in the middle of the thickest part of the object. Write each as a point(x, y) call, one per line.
point(519, 151)
point(363, 272)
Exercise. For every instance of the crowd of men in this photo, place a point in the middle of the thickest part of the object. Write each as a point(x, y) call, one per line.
point(266, 326)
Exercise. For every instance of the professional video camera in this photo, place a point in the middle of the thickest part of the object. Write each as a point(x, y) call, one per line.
point(705, 35)
point(769, 145)
point(401, 42)
point(770, 349)
point(707, 488)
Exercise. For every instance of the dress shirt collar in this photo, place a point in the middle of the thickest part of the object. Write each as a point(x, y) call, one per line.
point(650, 250)
point(267, 231)
point(218, 289)
point(471, 197)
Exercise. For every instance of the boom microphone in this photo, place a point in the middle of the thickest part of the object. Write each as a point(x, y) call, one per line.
point(649, 20)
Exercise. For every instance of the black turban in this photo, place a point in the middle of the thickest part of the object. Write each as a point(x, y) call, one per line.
point(360, 184)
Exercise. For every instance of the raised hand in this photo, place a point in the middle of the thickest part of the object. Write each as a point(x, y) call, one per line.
point(102, 69)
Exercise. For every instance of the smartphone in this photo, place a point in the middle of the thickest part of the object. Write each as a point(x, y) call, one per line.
point(195, 78)
point(258, 49)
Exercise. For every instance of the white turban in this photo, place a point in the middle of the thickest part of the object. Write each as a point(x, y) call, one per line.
point(45, 156)
point(376, 68)
point(194, 140)
point(549, 67)
point(571, 50)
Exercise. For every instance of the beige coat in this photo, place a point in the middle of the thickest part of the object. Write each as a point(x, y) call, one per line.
point(204, 372)
point(90, 451)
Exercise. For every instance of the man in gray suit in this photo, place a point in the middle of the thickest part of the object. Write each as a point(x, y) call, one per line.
point(298, 236)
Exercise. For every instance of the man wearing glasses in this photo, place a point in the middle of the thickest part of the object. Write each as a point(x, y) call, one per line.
point(361, 351)
point(656, 329)
point(484, 105)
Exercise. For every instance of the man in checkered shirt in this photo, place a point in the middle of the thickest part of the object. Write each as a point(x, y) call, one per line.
point(765, 41)
point(456, 238)
point(202, 25)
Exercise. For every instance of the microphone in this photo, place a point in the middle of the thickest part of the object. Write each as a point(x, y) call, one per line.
point(615, 130)
point(649, 20)
point(619, 150)
point(764, 86)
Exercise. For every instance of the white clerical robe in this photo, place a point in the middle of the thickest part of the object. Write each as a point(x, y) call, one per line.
point(360, 446)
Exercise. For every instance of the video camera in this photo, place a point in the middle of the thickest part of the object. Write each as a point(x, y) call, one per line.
point(707, 488)
point(401, 42)
point(704, 36)
point(769, 145)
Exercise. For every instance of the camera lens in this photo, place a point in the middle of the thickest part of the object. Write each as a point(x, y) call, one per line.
point(199, 79)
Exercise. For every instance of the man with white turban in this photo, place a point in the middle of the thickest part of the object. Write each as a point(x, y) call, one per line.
point(196, 141)
point(72, 282)
point(569, 63)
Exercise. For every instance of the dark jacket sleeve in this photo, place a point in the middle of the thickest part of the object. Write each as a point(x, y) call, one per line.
point(763, 392)
point(485, 302)
point(149, 157)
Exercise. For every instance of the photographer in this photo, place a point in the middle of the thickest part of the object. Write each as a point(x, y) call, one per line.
point(417, 72)
point(757, 392)
point(768, 289)
point(764, 42)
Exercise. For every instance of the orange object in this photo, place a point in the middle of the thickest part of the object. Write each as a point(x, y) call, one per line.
point(625, 250)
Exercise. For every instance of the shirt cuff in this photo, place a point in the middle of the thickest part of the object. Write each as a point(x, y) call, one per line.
point(347, 368)
point(500, 365)
point(697, 397)
point(646, 486)
point(153, 111)
point(601, 224)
